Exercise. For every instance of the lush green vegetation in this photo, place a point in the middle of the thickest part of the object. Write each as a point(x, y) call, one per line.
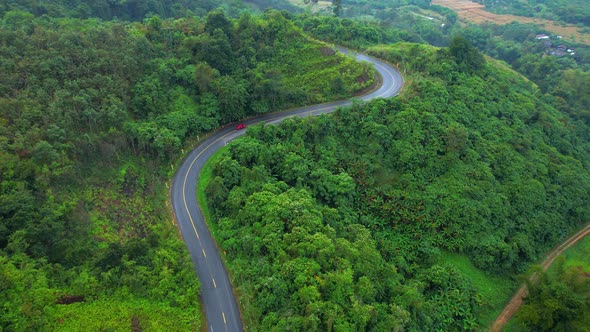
point(339, 221)
point(561, 298)
point(382, 10)
point(558, 301)
point(137, 10)
point(565, 80)
point(364, 220)
point(578, 255)
point(92, 113)
point(494, 290)
point(397, 24)
point(571, 11)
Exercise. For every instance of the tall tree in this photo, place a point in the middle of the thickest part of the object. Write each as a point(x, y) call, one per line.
point(337, 7)
point(466, 55)
point(232, 94)
point(559, 302)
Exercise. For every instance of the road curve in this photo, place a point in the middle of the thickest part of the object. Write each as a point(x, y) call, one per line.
point(221, 309)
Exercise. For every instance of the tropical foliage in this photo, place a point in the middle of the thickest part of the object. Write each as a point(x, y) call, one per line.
point(137, 10)
point(92, 113)
point(558, 301)
point(337, 222)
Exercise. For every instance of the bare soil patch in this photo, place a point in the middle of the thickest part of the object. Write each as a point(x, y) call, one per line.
point(474, 12)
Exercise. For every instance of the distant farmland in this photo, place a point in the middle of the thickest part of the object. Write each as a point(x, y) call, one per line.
point(476, 13)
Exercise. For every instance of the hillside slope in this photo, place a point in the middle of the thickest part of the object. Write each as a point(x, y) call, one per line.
point(92, 114)
point(340, 221)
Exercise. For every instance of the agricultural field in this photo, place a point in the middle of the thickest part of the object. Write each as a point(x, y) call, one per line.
point(474, 12)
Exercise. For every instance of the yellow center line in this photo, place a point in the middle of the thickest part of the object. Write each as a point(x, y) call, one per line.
point(186, 179)
point(231, 132)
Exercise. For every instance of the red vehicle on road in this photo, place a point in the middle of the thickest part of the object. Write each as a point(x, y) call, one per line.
point(240, 126)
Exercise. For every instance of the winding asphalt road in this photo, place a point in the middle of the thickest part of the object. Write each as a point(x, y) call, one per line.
point(221, 308)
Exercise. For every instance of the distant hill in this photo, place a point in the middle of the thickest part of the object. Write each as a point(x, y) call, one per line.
point(136, 10)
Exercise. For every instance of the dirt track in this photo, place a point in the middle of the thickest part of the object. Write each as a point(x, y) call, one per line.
point(516, 300)
point(476, 13)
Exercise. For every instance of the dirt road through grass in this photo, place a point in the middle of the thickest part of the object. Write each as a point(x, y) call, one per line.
point(516, 300)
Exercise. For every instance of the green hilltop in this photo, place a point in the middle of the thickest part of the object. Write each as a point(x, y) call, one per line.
point(347, 222)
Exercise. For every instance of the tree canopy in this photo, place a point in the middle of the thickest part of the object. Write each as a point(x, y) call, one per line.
point(92, 113)
point(338, 222)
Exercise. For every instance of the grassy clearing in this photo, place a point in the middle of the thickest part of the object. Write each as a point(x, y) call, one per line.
point(577, 255)
point(122, 315)
point(495, 291)
point(514, 326)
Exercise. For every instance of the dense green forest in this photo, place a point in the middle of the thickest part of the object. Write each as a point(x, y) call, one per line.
point(92, 113)
point(564, 80)
point(136, 10)
point(339, 222)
